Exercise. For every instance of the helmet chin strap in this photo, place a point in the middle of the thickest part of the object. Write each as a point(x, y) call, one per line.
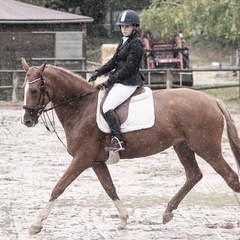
point(134, 29)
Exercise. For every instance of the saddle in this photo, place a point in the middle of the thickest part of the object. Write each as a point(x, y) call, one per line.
point(135, 113)
point(123, 109)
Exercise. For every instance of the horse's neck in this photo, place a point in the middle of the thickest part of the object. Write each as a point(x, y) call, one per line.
point(64, 85)
point(69, 95)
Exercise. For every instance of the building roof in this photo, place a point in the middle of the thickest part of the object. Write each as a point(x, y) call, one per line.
point(17, 12)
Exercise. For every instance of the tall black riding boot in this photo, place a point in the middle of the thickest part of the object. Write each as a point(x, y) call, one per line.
point(117, 143)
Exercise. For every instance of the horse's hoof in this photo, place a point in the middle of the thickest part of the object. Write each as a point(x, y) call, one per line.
point(123, 224)
point(167, 217)
point(35, 228)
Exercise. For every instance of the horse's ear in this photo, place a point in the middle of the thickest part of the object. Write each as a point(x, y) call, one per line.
point(41, 68)
point(25, 66)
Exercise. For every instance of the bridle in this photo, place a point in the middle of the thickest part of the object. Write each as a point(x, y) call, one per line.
point(39, 107)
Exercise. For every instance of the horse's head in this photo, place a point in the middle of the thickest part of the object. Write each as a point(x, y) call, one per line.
point(35, 93)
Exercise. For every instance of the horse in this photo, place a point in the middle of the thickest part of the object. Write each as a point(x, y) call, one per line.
point(191, 121)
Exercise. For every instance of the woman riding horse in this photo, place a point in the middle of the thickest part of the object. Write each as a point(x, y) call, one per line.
point(126, 78)
point(190, 121)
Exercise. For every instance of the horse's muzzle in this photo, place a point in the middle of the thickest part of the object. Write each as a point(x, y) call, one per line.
point(30, 120)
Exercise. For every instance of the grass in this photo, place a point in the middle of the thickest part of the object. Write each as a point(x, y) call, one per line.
point(205, 54)
point(231, 94)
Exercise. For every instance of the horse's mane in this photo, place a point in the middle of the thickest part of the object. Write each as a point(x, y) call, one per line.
point(74, 76)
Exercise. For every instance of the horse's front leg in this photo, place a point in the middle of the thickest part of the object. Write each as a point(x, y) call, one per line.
point(101, 170)
point(72, 172)
point(37, 225)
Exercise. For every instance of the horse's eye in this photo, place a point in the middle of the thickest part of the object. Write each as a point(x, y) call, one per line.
point(34, 91)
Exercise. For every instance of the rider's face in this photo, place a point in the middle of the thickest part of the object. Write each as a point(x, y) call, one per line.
point(126, 30)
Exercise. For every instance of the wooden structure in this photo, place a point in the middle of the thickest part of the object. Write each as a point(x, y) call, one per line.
point(39, 34)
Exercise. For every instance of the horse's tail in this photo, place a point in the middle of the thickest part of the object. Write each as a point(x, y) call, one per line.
point(231, 132)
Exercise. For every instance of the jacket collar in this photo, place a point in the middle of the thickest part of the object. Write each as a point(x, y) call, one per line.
point(121, 44)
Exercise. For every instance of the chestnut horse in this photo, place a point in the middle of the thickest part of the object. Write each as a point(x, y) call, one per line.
point(190, 121)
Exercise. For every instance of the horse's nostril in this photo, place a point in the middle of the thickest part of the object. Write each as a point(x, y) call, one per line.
point(28, 123)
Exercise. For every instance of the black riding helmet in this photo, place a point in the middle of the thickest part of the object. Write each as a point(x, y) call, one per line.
point(128, 17)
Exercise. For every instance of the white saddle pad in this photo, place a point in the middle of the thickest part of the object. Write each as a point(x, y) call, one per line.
point(140, 115)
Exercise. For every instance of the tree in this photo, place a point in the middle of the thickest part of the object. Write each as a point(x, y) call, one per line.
point(217, 20)
point(129, 4)
point(93, 8)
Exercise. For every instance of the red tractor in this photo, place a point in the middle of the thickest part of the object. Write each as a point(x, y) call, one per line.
point(165, 55)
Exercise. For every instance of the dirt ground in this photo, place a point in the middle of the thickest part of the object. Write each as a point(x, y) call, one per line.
point(33, 159)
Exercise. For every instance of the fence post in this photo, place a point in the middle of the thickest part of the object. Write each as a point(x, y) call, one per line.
point(239, 84)
point(15, 84)
point(169, 79)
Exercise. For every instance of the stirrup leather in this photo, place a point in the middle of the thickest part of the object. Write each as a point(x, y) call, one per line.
point(116, 145)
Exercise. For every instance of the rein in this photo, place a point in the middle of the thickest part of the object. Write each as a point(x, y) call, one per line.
point(52, 122)
point(68, 101)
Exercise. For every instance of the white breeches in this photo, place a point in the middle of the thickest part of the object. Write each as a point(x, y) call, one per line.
point(117, 95)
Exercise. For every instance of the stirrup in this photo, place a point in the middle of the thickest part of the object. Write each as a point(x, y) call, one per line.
point(116, 145)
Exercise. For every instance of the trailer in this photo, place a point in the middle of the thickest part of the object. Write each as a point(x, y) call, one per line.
point(163, 55)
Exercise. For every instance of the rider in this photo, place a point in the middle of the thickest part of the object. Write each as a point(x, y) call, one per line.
point(126, 77)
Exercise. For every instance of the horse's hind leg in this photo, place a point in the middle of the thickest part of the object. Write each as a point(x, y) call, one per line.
point(193, 175)
point(101, 170)
point(222, 168)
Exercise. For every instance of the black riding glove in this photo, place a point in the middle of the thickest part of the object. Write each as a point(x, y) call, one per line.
point(94, 76)
point(111, 80)
point(107, 84)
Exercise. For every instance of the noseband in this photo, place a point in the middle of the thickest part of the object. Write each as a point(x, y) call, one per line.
point(38, 108)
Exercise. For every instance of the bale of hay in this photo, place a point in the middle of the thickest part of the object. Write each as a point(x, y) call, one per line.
point(107, 51)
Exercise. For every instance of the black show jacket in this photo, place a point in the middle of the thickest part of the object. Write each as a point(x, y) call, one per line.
point(126, 62)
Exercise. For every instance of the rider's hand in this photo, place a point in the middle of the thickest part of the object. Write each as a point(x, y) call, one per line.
point(107, 84)
point(103, 85)
point(94, 76)
point(100, 86)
